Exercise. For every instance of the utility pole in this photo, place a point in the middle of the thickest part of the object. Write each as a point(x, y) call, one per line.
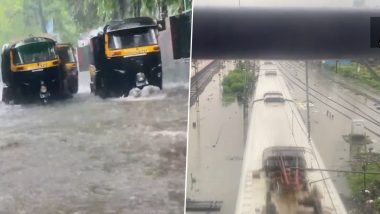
point(121, 9)
point(196, 67)
point(364, 167)
point(245, 70)
point(42, 17)
point(184, 5)
point(307, 101)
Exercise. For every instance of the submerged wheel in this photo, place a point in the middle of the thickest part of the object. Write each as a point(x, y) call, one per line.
point(7, 95)
point(101, 88)
point(159, 84)
point(73, 86)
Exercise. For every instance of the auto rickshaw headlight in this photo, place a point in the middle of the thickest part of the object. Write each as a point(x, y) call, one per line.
point(43, 89)
point(140, 77)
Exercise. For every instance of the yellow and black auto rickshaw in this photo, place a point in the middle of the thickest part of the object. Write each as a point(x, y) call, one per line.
point(31, 70)
point(126, 55)
point(69, 65)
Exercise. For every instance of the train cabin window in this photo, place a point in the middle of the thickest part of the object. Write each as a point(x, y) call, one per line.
point(273, 97)
point(270, 73)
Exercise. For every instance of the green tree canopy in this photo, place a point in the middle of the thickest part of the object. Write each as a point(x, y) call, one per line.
point(21, 18)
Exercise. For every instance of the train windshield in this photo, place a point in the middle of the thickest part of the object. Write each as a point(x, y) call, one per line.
point(34, 52)
point(132, 38)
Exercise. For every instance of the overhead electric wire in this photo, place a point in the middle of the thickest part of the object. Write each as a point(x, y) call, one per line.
point(344, 114)
point(373, 119)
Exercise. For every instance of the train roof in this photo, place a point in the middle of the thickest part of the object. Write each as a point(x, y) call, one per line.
point(279, 130)
point(271, 86)
point(276, 151)
point(130, 23)
point(270, 73)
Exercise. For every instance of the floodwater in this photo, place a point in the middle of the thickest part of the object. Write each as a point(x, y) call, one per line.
point(215, 153)
point(341, 99)
point(87, 155)
point(216, 150)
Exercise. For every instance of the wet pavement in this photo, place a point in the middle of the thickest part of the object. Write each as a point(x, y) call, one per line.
point(87, 155)
point(215, 155)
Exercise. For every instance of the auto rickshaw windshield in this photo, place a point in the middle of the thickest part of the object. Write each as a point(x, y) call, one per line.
point(66, 55)
point(34, 52)
point(130, 38)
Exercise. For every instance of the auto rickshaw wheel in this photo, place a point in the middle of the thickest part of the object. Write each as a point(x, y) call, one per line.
point(103, 93)
point(73, 85)
point(101, 88)
point(157, 83)
point(7, 95)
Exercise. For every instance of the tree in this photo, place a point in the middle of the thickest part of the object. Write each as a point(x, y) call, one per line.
point(21, 18)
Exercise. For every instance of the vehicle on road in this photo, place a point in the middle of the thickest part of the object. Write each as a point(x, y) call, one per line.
point(31, 70)
point(69, 65)
point(126, 55)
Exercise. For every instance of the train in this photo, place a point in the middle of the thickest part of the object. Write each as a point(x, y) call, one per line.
point(281, 166)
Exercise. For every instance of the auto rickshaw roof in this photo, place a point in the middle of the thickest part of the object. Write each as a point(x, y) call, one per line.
point(31, 40)
point(61, 45)
point(130, 23)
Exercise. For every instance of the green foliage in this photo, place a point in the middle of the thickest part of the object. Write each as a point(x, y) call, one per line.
point(356, 183)
point(10, 13)
point(351, 71)
point(21, 18)
point(234, 82)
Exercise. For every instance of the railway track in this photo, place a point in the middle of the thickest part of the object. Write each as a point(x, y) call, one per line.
point(323, 99)
point(200, 80)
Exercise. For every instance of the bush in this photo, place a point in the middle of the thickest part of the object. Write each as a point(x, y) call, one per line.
point(234, 82)
point(350, 71)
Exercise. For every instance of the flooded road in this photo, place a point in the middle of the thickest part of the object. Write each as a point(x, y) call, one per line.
point(87, 155)
point(215, 155)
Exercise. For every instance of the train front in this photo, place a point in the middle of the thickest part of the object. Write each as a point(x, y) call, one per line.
point(31, 70)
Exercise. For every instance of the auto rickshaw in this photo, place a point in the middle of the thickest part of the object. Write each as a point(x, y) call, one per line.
point(126, 55)
point(69, 65)
point(31, 70)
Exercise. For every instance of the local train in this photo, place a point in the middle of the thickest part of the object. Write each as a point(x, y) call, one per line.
point(276, 176)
